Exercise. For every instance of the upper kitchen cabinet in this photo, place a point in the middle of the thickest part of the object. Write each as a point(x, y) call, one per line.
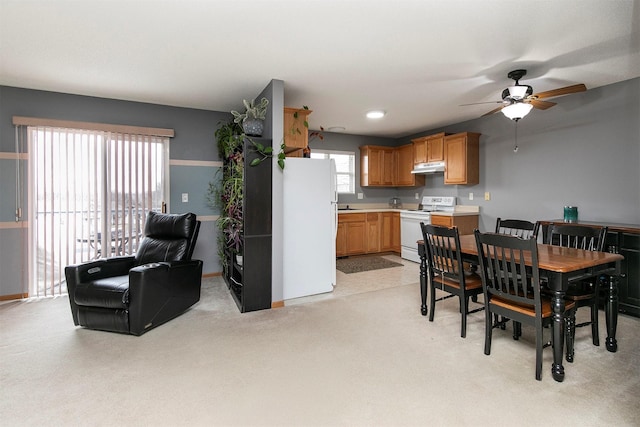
point(404, 166)
point(296, 135)
point(429, 148)
point(462, 158)
point(376, 166)
point(387, 167)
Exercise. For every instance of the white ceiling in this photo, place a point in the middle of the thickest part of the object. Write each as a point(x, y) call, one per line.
point(418, 60)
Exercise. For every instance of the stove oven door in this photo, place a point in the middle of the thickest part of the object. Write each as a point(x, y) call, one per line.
point(410, 233)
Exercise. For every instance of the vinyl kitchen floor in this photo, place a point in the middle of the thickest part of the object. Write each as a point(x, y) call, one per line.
point(368, 281)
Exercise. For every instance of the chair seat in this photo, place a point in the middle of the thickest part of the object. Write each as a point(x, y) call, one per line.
point(472, 281)
point(529, 310)
point(111, 292)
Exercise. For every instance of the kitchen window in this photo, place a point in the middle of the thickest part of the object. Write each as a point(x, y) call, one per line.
point(345, 168)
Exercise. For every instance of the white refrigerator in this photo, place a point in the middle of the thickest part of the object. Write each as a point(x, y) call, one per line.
point(310, 204)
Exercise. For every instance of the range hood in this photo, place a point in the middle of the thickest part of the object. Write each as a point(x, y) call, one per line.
point(432, 167)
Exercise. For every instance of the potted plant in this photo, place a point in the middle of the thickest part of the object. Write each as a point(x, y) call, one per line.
point(253, 117)
point(226, 193)
point(295, 130)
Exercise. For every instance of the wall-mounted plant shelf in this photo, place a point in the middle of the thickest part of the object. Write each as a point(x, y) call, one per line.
point(250, 282)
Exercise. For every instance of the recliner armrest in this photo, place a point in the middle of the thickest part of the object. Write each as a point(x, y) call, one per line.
point(101, 268)
point(160, 291)
point(94, 270)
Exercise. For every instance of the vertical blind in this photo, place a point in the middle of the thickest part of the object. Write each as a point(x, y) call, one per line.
point(89, 192)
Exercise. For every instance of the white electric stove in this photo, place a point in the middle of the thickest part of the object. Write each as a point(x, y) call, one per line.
point(410, 231)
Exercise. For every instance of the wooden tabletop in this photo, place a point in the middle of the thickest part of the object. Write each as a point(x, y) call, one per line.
point(554, 258)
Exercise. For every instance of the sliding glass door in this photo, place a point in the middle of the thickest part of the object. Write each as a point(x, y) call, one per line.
point(89, 195)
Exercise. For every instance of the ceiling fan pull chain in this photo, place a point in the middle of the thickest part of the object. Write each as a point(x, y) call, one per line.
point(515, 148)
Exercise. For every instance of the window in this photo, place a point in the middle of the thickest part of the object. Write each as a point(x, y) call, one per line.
point(345, 168)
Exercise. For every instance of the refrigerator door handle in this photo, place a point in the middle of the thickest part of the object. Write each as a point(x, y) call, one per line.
point(334, 205)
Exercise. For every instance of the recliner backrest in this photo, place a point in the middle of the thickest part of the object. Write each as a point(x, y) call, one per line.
point(168, 237)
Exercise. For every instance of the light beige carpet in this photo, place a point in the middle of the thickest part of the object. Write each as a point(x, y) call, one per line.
point(362, 359)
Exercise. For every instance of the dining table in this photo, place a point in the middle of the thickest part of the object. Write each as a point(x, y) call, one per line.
point(558, 266)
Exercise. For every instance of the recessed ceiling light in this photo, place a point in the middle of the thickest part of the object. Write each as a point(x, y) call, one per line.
point(375, 114)
point(336, 129)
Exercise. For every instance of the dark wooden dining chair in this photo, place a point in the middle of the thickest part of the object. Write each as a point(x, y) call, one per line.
point(517, 227)
point(520, 228)
point(583, 290)
point(446, 271)
point(512, 289)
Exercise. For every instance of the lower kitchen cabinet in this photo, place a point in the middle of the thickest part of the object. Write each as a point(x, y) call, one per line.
point(373, 232)
point(352, 234)
point(368, 233)
point(465, 223)
point(390, 232)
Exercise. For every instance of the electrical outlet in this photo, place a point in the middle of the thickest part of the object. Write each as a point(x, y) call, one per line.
point(470, 196)
point(417, 196)
point(185, 197)
point(487, 195)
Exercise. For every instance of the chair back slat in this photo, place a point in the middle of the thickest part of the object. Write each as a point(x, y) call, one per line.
point(441, 245)
point(502, 260)
point(518, 227)
point(577, 236)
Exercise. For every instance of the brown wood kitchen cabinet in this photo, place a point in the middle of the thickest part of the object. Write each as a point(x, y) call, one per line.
point(387, 167)
point(465, 223)
point(368, 233)
point(352, 234)
point(373, 232)
point(462, 158)
point(376, 166)
point(296, 135)
point(390, 232)
point(428, 148)
point(404, 166)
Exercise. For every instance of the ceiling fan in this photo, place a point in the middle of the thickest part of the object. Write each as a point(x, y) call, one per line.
point(519, 99)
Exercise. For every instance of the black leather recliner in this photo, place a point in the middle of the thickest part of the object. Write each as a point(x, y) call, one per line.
point(133, 294)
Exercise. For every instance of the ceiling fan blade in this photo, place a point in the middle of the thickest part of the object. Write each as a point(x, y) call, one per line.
point(495, 110)
point(541, 105)
point(478, 103)
point(561, 91)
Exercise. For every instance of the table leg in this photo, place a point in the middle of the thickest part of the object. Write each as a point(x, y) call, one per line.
point(611, 311)
point(423, 279)
point(557, 303)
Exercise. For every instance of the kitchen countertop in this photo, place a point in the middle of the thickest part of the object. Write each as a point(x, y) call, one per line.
point(461, 210)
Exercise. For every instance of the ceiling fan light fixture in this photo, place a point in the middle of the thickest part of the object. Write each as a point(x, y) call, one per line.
point(518, 91)
point(517, 110)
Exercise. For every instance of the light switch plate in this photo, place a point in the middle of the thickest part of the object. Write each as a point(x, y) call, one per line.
point(360, 195)
point(185, 197)
point(487, 196)
point(470, 196)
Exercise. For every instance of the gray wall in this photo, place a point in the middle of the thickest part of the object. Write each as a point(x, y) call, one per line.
point(583, 152)
point(194, 140)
